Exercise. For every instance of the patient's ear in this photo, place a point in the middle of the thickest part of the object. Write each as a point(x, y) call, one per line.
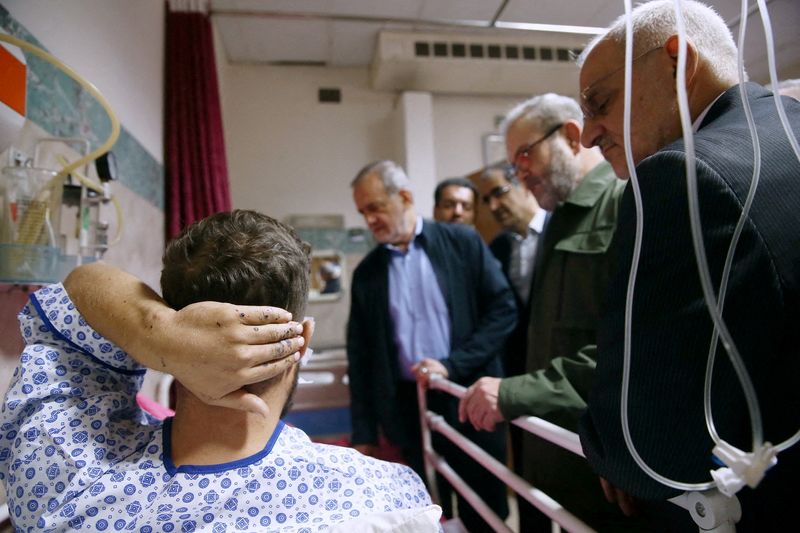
point(308, 331)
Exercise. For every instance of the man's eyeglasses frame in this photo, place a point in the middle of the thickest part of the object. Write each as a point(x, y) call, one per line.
point(524, 152)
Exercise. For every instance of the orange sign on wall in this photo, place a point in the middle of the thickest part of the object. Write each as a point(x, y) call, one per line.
point(12, 89)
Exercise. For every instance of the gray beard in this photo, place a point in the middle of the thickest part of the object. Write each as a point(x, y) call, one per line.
point(565, 174)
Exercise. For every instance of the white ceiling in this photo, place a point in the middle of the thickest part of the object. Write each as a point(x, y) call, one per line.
point(344, 32)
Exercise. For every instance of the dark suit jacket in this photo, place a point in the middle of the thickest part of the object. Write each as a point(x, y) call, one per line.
point(516, 348)
point(671, 325)
point(482, 315)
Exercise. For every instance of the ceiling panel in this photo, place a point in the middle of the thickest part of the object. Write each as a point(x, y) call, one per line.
point(460, 10)
point(260, 40)
point(351, 43)
point(372, 8)
point(569, 12)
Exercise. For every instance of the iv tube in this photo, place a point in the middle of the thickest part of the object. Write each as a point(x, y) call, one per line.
point(714, 309)
point(637, 249)
point(765, 20)
point(91, 89)
point(737, 231)
point(773, 76)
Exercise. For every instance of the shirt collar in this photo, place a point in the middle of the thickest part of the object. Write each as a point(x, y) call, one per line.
point(537, 222)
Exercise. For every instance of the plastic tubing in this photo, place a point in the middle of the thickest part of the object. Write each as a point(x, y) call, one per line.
point(637, 249)
point(773, 75)
point(711, 302)
point(736, 234)
point(91, 89)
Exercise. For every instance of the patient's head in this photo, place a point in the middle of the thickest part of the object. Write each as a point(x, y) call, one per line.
point(241, 257)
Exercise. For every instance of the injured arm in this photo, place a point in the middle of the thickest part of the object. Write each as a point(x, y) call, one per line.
point(212, 348)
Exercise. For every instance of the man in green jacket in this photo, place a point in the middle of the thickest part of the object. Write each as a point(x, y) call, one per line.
point(573, 266)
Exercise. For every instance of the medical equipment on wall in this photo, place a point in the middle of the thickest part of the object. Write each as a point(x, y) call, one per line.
point(741, 467)
point(32, 248)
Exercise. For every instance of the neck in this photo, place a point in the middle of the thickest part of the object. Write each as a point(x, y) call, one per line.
point(205, 434)
point(410, 224)
point(702, 86)
point(704, 95)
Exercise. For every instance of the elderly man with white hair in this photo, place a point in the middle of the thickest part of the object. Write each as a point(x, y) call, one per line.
point(671, 330)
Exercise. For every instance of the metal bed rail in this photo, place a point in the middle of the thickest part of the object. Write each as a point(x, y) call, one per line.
point(711, 511)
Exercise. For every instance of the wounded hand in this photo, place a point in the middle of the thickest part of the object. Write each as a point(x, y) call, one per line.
point(214, 349)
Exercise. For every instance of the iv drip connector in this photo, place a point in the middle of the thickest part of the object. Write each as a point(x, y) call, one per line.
point(742, 468)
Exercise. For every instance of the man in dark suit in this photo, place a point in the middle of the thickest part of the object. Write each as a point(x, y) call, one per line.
point(514, 207)
point(430, 298)
point(671, 332)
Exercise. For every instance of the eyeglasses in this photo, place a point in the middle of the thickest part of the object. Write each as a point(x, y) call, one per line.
point(592, 109)
point(496, 193)
point(523, 155)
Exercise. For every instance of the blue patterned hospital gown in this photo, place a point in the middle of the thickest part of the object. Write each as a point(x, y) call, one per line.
point(76, 452)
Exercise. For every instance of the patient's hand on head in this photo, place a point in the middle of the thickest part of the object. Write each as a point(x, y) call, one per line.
point(212, 348)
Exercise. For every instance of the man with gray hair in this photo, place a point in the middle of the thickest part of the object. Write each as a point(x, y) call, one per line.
point(671, 333)
point(429, 299)
point(573, 266)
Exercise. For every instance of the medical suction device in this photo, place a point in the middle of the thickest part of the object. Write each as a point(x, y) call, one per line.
point(33, 197)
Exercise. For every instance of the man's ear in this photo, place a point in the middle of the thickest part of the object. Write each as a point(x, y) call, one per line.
point(308, 332)
point(572, 132)
point(407, 196)
point(672, 46)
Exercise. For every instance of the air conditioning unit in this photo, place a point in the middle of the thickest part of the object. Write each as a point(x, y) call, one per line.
point(512, 64)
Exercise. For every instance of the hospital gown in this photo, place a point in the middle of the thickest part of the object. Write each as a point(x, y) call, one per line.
point(76, 452)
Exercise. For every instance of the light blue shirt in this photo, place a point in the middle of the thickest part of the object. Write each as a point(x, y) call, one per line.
point(417, 307)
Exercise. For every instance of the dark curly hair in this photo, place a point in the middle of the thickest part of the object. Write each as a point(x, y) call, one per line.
point(239, 257)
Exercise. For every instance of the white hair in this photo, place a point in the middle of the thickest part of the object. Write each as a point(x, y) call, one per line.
point(654, 22)
point(543, 112)
point(391, 174)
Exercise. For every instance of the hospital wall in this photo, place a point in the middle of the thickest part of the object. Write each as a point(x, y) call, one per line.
point(290, 154)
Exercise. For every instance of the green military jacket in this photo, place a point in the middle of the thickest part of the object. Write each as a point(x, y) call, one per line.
point(573, 267)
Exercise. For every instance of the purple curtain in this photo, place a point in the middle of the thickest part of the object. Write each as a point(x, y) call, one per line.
point(196, 168)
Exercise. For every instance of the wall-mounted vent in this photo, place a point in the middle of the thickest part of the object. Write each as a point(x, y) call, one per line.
point(523, 64)
point(494, 51)
point(330, 95)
